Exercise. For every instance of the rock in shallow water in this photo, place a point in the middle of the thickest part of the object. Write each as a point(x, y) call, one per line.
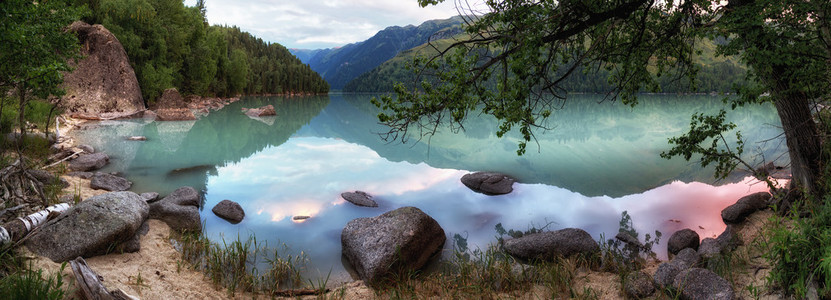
point(402, 239)
point(229, 210)
point(745, 206)
point(489, 183)
point(684, 238)
point(359, 198)
point(91, 228)
point(108, 182)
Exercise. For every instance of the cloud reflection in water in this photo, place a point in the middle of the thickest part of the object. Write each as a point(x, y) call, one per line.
point(305, 176)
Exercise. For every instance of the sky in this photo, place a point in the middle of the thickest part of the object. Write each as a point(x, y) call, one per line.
point(315, 24)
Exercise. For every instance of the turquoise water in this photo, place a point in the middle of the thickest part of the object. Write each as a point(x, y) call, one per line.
point(600, 159)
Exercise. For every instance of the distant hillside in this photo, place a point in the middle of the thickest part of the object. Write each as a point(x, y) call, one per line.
point(718, 74)
point(338, 66)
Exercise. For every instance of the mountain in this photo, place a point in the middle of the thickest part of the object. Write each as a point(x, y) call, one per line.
point(338, 66)
point(716, 73)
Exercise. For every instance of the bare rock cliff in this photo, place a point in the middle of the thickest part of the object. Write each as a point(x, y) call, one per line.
point(103, 82)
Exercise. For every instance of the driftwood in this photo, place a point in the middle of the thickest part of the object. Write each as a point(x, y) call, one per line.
point(89, 283)
point(299, 292)
point(64, 159)
point(15, 230)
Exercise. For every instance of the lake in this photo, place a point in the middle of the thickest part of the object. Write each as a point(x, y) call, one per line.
point(600, 159)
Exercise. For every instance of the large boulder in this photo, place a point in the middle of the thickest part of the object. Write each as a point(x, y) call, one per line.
point(109, 182)
point(180, 210)
point(172, 107)
point(400, 240)
point(698, 283)
point(359, 198)
point(103, 81)
point(94, 226)
point(489, 183)
point(229, 210)
point(745, 206)
point(89, 162)
point(684, 238)
point(551, 244)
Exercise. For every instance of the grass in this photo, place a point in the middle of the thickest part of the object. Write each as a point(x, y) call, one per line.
point(25, 283)
point(235, 265)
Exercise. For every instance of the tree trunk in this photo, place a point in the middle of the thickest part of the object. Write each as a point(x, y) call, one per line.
point(801, 135)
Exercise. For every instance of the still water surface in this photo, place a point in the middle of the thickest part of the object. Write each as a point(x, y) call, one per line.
point(600, 159)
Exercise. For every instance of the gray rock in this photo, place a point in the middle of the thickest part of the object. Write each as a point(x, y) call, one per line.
point(92, 227)
point(229, 210)
point(638, 285)
point(666, 272)
point(102, 81)
point(48, 178)
point(82, 175)
point(87, 149)
point(150, 196)
point(698, 283)
point(89, 162)
point(489, 183)
point(684, 238)
point(109, 182)
point(551, 244)
point(628, 239)
point(400, 240)
point(745, 206)
point(359, 198)
point(180, 210)
point(725, 242)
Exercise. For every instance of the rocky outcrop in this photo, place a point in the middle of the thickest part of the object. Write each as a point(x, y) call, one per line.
point(400, 240)
point(94, 226)
point(150, 196)
point(229, 210)
point(267, 110)
point(698, 283)
point(109, 182)
point(171, 107)
point(89, 162)
point(552, 244)
point(745, 206)
point(489, 183)
point(681, 239)
point(103, 82)
point(359, 198)
point(180, 210)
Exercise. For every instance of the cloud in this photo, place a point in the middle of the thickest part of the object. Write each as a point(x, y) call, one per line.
point(315, 24)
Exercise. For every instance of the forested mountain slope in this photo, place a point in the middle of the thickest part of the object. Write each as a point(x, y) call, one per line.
point(338, 66)
point(717, 73)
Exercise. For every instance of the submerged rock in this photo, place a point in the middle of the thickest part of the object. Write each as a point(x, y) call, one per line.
point(400, 240)
point(109, 182)
point(92, 227)
point(551, 244)
point(489, 183)
point(229, 210)
point(89, 162)
point(180, 210)
point(359, 198)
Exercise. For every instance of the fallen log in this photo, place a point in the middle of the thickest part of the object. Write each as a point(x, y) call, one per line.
point(15, 230)
point(89, 283)
point(299, 292)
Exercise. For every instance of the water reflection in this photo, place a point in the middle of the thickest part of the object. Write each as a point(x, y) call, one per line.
point(602, 159)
